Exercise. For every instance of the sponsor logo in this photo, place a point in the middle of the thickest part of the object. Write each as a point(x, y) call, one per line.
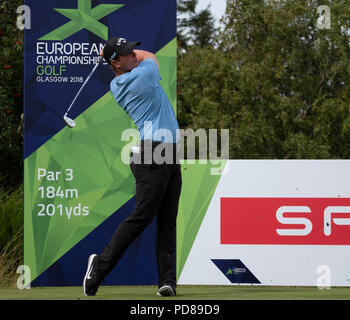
point(235, 271)
point(313, 221)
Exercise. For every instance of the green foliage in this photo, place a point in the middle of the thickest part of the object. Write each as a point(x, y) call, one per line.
point(279, 84)
point(11, 95)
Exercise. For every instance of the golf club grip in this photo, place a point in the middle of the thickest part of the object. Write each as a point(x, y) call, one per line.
point(85, 82)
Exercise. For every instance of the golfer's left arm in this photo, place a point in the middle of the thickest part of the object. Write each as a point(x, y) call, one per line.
point(144, 55)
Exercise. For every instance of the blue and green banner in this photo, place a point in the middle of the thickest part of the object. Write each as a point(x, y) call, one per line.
point(77, 188)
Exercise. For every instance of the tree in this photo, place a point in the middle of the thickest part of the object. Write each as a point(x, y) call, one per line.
point(11, 96)
point(276, 81)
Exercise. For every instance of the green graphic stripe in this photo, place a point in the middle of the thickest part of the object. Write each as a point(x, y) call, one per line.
point(198, 187)
point(92, 150)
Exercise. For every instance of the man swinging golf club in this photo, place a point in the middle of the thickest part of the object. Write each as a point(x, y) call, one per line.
point(137, 90)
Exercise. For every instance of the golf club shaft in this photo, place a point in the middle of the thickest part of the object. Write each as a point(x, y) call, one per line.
point(87, 79)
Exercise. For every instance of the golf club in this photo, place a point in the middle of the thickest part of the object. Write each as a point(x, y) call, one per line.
point(70, 122)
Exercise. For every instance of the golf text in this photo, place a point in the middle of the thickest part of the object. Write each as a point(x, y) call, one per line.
point(57, 193)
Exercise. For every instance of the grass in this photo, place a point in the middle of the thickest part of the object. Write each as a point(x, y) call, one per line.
point(185, 292)
point(11, 258)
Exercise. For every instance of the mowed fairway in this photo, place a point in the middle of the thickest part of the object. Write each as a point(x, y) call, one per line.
point(183, 293)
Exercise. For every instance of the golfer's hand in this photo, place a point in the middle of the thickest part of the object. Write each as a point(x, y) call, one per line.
point(101, 53)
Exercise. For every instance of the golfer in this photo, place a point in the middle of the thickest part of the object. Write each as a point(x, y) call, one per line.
point(137, 90)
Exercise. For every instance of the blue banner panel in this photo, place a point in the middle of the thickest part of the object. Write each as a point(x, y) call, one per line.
point(77, 189)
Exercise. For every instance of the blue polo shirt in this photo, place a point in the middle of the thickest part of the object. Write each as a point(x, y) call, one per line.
point(141, 96)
